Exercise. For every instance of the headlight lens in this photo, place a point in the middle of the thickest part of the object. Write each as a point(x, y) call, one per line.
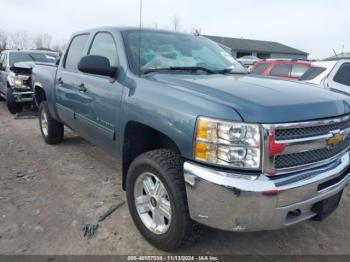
point(15, 80)
point(230, 144)
point(18, 82)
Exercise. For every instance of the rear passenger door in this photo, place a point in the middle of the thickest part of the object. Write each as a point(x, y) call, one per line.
point(99, 105)
point(68, 80)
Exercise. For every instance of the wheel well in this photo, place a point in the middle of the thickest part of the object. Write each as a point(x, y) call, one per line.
point(39, 95)
point(138, 139)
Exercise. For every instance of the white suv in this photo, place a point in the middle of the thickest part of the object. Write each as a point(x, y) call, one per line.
point(333, 75)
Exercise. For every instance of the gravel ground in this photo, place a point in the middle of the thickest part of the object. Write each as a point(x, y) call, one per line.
point(48, 192)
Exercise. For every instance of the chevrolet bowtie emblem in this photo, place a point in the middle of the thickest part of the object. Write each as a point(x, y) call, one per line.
point(335, 140)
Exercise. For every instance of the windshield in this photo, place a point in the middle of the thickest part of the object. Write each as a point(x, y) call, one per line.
point(161, 50)
point(28, 57)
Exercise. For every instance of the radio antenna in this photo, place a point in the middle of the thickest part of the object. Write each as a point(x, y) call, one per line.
point(140, 27)
point(335, 53)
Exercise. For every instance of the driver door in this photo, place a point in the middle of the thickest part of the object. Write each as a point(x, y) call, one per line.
point(98, 104)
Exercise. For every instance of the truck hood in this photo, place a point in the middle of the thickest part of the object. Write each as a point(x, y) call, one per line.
point(26, 67)
point(262, 100)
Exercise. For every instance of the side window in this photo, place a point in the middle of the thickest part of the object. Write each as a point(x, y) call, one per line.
point(260, 68)
point(281, 70)
point(75, 52)
point(343, 75)
point(298, 70)
point(104, 45)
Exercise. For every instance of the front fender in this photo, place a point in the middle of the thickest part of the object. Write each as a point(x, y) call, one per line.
point(170, 111)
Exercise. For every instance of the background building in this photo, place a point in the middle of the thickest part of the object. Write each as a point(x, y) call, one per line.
point(262, 49)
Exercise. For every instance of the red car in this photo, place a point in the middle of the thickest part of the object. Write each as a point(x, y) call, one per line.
point(290, 70)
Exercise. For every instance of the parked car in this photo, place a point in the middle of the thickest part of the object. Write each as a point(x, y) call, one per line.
point(15, 75)
point(285, 69)
point(248, 61)
point(333, 75)
point(201, 141)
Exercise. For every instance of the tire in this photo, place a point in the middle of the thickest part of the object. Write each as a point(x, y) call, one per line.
point(12, 105)
point(167, 166)
point(51, 130)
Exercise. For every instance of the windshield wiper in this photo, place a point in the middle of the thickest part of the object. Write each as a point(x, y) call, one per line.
point(179, 68)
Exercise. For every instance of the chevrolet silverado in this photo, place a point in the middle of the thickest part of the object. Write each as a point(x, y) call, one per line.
point(201, 141)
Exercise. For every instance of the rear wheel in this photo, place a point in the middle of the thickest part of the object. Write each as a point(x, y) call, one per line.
point(51, 130)
point(157, 200)
point(12, 105)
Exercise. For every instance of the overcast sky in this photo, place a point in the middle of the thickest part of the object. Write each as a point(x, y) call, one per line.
point(314, 26)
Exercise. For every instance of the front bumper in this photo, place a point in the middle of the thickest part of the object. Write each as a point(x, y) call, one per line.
point(23, 96)
point(244, 202)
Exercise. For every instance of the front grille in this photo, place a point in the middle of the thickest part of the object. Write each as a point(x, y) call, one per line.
point(305, 132)
point(27, 82)
point(308, 157)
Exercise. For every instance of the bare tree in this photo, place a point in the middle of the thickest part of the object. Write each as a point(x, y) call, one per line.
point(176, 24)
point(3, 40)
point(196, 31)
point(47, 40)
point(155, 25)
point(19, 40)
point(38, 42)
point(42, 41)
point(59, 47)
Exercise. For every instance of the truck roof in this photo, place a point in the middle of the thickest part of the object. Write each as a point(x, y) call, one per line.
point(124, 28)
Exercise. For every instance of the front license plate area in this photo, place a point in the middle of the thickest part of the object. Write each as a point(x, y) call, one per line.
point(326, 207)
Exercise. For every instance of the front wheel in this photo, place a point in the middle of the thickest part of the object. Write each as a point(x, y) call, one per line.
point(157, 200)
point(51, 130)
point(13, 106)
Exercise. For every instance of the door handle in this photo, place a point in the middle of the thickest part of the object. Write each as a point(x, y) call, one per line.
point(82, 88)
point(60, 81)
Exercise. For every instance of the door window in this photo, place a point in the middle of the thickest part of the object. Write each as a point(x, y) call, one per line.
point(298, 70)
point(281, 70)
point(343, 75)
point(75, 52)
point(104, 45)
point(260, 69)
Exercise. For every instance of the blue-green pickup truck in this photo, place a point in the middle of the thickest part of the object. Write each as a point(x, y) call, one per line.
point(201, 141)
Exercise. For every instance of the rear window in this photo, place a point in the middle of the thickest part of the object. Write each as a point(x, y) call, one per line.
point(343, 75)
point(312, 73)
point(281, 70)
point(260, 69)
point(298, 70)
point(75, 52)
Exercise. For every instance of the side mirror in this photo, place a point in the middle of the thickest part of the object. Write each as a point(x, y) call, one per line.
point(96, 65)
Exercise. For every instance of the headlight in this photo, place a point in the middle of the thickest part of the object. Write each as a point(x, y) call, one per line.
point(18, 82)
point(230, 144)
point(15, 81)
